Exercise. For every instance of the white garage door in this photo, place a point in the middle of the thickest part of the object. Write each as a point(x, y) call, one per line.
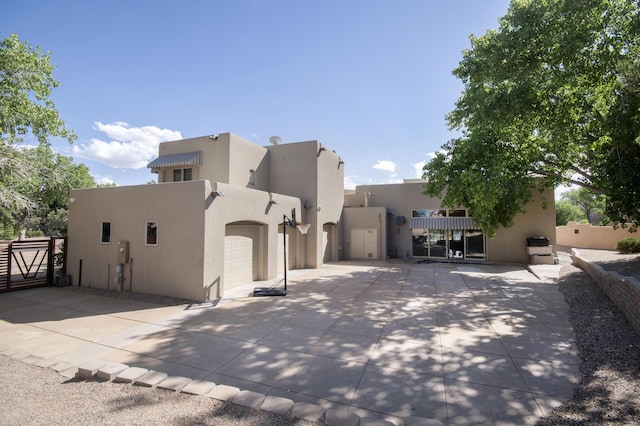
point(241, 251)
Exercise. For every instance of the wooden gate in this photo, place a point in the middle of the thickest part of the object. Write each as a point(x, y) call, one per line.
point(30, 263)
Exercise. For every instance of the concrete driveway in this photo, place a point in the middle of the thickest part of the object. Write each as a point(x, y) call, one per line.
point(461, 344)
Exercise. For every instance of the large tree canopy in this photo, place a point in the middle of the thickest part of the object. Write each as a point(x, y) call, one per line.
point(27, 118)
point(49, 188)
point(551, 97)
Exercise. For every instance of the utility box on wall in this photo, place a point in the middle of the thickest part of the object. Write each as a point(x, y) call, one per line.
point(123, 252)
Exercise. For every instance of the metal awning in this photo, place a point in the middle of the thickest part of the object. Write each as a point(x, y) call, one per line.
point(176, 160)
point(442, 223)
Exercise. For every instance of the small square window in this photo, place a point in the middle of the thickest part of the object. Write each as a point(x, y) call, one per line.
point(152, 233)
point(182, 175)
point(106, 233)
point(186, 174)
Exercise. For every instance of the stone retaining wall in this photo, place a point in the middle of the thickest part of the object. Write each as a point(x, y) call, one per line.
point(622, 290)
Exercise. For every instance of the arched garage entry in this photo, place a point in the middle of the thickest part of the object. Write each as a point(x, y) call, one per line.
point(295, 249)
point(243, 253)
point(281, 248)
point(329, 242)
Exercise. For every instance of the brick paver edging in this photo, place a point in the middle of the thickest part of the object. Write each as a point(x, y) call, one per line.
point(135, 376)
point(622, 290)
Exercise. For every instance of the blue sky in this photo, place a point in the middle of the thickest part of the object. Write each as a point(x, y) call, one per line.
point(370, 79)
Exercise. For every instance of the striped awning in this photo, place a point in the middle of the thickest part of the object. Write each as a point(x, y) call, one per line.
point(176, 160)
point(442, 223)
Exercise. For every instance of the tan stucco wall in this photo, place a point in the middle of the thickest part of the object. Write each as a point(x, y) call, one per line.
point(188, 261)
point(192, 220)
point(226, 158)
point(399, 199)
point(330, 200)
point(317, 178)
point(509, 245)
point(585, 235)
point(243, 157)
point(357, 218)
point(306, 170)
point(173, 267)
point(215, 154)
point(246, 205)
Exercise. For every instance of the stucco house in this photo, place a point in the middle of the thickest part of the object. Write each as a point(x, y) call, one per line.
point(397, 220)
point(214, 221)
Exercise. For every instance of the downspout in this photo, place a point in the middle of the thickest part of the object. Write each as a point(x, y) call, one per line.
point(380, 238)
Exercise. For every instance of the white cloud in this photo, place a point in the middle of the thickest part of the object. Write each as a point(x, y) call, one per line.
point(418, 168)
point(433, 154)
point(349, 183)
point(129, 147)
point(387, 165)
point(103, 180)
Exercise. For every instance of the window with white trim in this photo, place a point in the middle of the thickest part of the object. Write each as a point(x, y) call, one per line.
point(105, 236)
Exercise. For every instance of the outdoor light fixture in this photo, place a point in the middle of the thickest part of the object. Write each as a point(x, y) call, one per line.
point(217, 193)
point(286, 222)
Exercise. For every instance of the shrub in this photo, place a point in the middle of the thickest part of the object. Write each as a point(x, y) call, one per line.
point(629, 245)
point(34, 233)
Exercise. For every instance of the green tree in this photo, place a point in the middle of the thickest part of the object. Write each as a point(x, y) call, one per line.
point(27, 117)
point(550, 97)
point(591, 204)
point(49, 189)
point(566, 211)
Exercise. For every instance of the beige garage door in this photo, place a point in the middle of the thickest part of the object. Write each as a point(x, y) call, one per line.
point(241, 251)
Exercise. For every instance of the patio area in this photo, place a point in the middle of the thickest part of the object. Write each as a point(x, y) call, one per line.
point(461, 344)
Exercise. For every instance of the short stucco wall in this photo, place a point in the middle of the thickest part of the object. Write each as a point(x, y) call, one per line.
point(585, 235)
point(623, 291)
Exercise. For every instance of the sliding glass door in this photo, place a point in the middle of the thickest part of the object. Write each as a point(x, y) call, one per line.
point(446, 234)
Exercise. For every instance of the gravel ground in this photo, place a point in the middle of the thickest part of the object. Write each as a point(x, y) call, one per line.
point(608, 393)
point(31, 395)
point(609, 388)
